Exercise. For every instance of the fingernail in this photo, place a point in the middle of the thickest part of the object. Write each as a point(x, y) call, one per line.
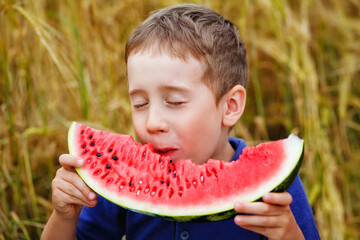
point(92, 195)
point(238, 219)
point(80, 162)
point(237, 206)
point(266, 197)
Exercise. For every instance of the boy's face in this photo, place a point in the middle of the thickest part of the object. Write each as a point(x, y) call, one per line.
point(174, 109)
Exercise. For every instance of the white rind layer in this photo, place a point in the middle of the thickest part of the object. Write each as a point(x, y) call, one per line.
point(294, 148)
point(72, 139)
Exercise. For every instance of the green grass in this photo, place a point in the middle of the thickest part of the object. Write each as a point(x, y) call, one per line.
point(63, 60)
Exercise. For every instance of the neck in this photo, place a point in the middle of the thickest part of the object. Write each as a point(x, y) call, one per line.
point(228, 152)
point(225, 151)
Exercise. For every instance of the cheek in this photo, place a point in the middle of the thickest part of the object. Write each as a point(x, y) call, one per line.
point(139, 127)
point(200, 128)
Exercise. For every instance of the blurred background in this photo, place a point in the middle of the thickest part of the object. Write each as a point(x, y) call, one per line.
point(62, 61)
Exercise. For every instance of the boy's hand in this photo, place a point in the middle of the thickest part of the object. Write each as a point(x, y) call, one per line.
point(272, 218)
point(69, 191)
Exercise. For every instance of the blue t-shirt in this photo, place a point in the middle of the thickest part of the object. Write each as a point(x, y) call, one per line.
point(109, 221)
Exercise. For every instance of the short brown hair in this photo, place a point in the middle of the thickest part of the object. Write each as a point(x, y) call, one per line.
point(193, 29)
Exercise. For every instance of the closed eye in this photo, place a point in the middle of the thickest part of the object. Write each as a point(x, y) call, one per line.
point(140, 105)
point(176, 103)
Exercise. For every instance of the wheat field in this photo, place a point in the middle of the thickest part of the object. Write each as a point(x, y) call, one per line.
point(62, 61)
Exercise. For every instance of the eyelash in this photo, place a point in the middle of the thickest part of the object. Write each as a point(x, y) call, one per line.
point(176, 103)
point(137, 106)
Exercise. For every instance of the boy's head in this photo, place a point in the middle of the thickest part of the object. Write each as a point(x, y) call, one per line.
point(187, 74)
point(193, 30)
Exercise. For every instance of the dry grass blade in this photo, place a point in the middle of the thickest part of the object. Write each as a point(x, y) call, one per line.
point(55, 44)
point(21, 225)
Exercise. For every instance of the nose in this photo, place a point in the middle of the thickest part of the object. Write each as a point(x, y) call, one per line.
point(156, 121)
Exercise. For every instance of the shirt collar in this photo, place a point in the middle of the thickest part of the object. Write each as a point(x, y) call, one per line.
point(238, 145)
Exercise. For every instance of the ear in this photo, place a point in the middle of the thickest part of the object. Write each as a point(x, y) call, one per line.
point(234, 105)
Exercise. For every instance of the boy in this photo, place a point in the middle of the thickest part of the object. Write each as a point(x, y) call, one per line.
point(187, 74)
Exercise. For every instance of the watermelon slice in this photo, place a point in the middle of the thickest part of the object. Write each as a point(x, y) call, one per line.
point(135, 177)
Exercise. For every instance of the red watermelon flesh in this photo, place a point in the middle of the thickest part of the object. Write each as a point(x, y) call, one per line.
point(135, 177)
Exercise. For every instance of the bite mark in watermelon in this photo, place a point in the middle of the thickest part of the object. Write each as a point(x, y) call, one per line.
point(135, 177)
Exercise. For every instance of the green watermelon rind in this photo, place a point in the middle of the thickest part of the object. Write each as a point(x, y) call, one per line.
point(210, 216)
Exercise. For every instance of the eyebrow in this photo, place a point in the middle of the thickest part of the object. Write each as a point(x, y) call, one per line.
point(175, 88)
point(135, 91)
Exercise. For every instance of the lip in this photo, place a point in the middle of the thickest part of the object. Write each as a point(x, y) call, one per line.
point(168, 151)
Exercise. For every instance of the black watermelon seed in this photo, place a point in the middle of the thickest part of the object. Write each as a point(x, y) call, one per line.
point(91, 136)
point(110, 149)
point(86, 151)
point(170, 161)
point(98, 154)
point(108, 166)
point(82, 132)
point(92, 144)
point(169, 170)
point(84, 146)
point(168, 184)
point(162, 181)
point(131, 183)
point(114, 158)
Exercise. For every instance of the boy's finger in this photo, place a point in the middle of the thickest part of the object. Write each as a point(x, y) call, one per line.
point(75, 180)
point(85, 189)
point(258, 208)
point(258, 229)
point(69, 199)
point(77, 201)
point(258, 221)
point(283, 198)
point(69, 161)
point(70, 189)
